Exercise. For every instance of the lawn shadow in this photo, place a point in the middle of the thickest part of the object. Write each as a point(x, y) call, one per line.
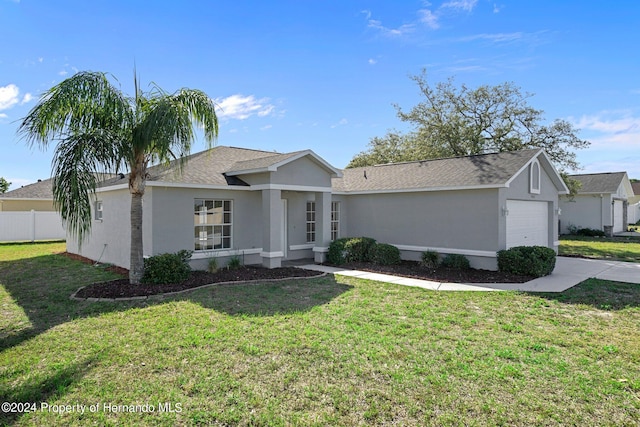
point(41, 287)
point(600, 294)
point(270, 298)
point(40, 390)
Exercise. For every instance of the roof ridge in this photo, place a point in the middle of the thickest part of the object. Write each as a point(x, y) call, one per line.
point(447, 158)
point(597, 173)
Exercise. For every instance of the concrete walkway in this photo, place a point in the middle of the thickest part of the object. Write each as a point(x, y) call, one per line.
point(568, 273)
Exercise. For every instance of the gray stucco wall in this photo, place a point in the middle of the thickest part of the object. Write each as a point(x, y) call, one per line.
point(451, 219)
point(110, 238)
point(173, 217)
point(586, 211)
point(303, 171)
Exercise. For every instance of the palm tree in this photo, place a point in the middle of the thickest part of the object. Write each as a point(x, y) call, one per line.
point(96, 128)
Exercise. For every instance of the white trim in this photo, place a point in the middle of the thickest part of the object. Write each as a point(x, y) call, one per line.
point(301, 247)
point(533, 190)
point(420, 190)
point(556, 243)
point(224, 252)
point(290, 188)
point(276, 254)
point(321, 249)
point(469, 252)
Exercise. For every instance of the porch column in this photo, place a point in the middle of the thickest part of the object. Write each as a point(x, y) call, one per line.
point(272, 250)
point(323, 226)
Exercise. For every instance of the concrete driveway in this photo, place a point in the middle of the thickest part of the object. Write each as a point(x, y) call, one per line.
point(568, 273)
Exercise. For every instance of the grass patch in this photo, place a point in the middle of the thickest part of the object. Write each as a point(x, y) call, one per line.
point(617, 248)
point(326, 351)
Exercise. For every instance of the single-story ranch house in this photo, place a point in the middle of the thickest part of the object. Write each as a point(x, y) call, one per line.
point(37, 196)
point(267, 207)
point(601, 203)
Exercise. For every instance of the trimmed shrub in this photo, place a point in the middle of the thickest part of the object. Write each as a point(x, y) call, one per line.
point(535, 261)
point(167, 268)
point(350, 249)
point(430, 259)
point(359, 249)
point(385, 254)
point(456, 261)
point(590, 232)
point(336, 253)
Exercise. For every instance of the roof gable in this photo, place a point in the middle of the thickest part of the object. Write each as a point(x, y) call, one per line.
point(480, 171)
point(607, 183)
point(273, 162)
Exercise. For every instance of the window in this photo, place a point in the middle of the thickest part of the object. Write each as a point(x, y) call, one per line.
point(311, 222)
point(98, 210)
point(534, 178)
point(212, 221)
point(335, 220)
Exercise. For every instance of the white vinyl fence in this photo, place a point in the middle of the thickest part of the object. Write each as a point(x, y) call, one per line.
point(32, 226)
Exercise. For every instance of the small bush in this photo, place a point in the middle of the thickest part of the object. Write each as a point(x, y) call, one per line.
point(167, 268)
point(590, 232)
point(384, 254)
point(535, 261)
point(336, 253)
point(350, 249)
point(359, 249)
point(212, 265)
point(456, 261)
point(234, 263)
point(430, 259)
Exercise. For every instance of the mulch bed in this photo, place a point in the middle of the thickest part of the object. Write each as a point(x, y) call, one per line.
point(121, 288)
point(441, 274)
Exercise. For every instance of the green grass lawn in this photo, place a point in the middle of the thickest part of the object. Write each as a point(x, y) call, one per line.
point(326, 351)
point(621, 249)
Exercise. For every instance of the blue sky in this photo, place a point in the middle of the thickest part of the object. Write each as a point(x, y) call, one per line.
point(324, 75)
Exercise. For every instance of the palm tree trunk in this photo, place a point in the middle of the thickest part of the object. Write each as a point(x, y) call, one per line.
point(136, 269)
point(137, 179)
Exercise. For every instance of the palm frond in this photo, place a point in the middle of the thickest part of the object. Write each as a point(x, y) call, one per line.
point(79, 159)
point(87, 100)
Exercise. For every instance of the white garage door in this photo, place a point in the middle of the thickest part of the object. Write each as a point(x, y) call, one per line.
point(618, 219)
point(527, 223)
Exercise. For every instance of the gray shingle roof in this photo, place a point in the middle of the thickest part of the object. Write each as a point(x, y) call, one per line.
point(599, 182)
point(38, 190)
point(636, 188)
point(207, 167)
point(489, 170)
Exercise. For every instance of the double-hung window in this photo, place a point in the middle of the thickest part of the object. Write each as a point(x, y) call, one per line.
point(98, 210)
point(335, 220)
point(311, 222)
point(213, 224)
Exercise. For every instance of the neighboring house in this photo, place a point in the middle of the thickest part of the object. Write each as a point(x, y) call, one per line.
point(633, 209)
point(601, 203)
point(37, 196)
point(268, 207)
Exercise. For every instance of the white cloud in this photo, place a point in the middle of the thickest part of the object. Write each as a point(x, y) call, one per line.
point(63, 73)
point(391, 32)
point(342, 122)
point(40, 59)
point(372, 61)
point(266, 127)
point(428, 18)
point(3, 116)
point(497, 8)
point(496, 38)
point(466, 5)
point(26, 98)
point(240, 107)
point(9, 96)
point(612, 130)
